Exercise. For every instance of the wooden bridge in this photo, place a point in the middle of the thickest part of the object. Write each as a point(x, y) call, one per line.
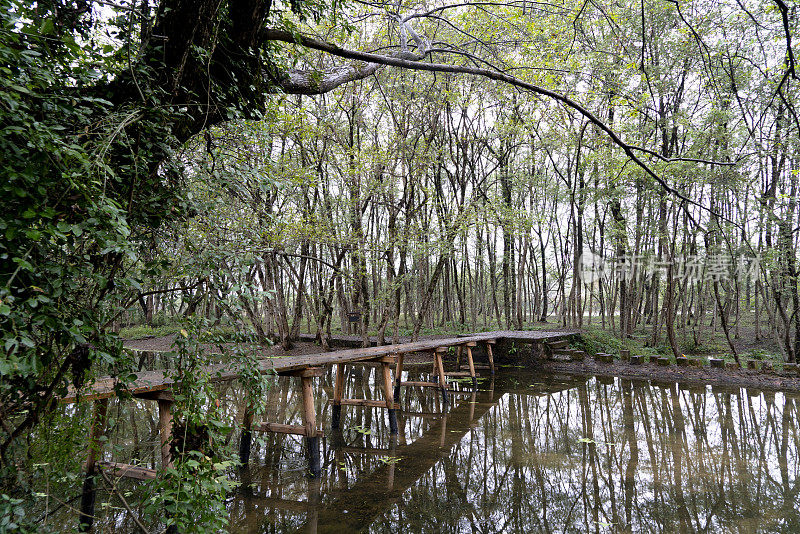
point(156, 386)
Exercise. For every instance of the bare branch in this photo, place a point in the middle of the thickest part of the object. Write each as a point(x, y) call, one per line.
point(789, 53)
point(335, 50)
point(689, 160)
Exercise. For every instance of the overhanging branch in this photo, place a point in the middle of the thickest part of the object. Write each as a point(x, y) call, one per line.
point(414, 64)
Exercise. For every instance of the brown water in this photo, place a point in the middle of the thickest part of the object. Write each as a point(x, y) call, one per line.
point(525, 453)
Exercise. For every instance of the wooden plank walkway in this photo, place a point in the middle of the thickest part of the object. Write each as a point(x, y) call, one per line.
point(154, 381)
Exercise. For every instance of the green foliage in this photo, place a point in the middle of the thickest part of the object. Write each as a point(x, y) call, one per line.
point(92, 120)
point(89, 134)
point(692, 345)
point(192, 494)
point(193, 491)
point(13, 517)
point(761, 355)
point(594, 340)
point(65, 233)
point(364, 431)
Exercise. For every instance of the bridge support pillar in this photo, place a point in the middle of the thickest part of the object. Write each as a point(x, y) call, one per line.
point(471, 364)
point(247, 435)
point(310, 423)
point(398, 377)
point(439, 369)
point(338, 389)
point(387, 392)
point(89, 493)
point(490, 355)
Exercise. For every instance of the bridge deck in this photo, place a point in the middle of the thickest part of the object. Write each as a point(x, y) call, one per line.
point(152, 381)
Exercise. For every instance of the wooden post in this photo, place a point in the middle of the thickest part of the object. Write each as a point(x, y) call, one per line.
point(165, 431)
point(473, 400)
point(387, 392)
point(310, 423)
point(88, 496)
point(398, 377)
point(247, 435)
point(401, 428)
point(390, 474)
point(437, 360)
point(471, 366)
point(312, 513)
point(490, 355)
point(309, 414)
point(338, 389)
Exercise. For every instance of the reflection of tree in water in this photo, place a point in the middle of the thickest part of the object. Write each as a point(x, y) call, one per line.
point(600, 456)
point(620, 457)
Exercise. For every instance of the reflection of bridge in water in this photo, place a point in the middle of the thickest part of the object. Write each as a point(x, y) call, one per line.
point(539, 454)
point(536, 454)
point(157, 385)
point(543, 454)
point(352, 503)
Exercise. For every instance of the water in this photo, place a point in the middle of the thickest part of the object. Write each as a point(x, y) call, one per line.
point(525, 453)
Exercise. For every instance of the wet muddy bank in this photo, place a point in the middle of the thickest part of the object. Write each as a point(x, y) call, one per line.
point(746, 378)
point(531, 357)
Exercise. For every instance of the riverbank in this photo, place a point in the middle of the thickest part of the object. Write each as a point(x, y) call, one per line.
point(700, 376)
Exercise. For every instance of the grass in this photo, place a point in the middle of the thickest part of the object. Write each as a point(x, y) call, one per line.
point(595, 339)
point(225, 333)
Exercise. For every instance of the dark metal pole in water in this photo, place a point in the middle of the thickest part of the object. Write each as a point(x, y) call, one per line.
point(88, 496)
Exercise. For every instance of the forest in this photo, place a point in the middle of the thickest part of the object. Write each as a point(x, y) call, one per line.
point(247, 171)
point(424, 200)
